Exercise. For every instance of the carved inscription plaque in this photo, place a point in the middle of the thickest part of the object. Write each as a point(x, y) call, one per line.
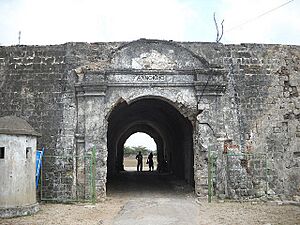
point(149, 78)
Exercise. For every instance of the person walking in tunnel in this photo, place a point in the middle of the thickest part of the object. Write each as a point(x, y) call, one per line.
point(150, 162)
point(139, 158)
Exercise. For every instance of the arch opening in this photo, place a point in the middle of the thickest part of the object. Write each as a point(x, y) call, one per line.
point(171, 131)
point(138, 142)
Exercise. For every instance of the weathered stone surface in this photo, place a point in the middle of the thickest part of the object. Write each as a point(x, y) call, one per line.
point(19, 211)
point(246, 95)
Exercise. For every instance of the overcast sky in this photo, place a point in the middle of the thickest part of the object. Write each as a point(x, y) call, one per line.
point(141, 139)
point(59, 21)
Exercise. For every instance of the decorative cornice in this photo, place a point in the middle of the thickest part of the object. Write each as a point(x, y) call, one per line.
point(90, 89)
point(213, 70)
point(80, 138)
point(205, 81)
point(210, 90)
point(213, 84)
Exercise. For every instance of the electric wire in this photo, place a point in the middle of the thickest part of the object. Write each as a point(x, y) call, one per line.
point(259, 16)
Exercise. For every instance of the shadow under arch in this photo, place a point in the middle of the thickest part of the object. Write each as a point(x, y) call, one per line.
point(157, 117)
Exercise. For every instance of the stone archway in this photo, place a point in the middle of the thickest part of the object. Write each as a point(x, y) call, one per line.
point(159, 77)
point(170, 129)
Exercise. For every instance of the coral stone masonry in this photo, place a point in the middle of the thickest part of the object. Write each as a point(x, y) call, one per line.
point(225, 118)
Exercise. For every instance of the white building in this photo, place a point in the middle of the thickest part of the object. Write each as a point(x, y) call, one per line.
point(18, 142)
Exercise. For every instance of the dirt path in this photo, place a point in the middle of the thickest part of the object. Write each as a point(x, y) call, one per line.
point(132, 200)
point(159, 211)
point(184, 211)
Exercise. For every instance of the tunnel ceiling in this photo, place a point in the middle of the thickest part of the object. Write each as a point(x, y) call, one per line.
point(147, 115)
point(171, 131)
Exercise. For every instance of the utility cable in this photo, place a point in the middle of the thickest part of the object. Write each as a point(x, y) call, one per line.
point(259, 16)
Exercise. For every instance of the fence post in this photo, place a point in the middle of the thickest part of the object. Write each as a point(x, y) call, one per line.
point(266, 173)
point(93, 175)
point(209, 176)
point(41, 183)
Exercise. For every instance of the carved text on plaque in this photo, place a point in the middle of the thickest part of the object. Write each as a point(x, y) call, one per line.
point(151, 78)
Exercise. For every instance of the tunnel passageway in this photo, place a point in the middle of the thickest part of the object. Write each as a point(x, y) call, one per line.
point(171, 131)
point(143, 183)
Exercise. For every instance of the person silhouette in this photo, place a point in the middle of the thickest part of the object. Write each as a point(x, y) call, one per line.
point(139, 158)
point(150, 162)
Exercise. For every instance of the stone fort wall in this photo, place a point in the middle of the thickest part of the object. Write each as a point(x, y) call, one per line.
point(259, 111)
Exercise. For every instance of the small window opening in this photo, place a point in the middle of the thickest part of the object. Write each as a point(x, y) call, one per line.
point(2, 152)
point(28, 152)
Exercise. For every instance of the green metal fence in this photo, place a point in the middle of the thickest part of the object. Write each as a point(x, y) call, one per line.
point(62, 179)
point(255, 164)
point(212, 168)
point(238, 168)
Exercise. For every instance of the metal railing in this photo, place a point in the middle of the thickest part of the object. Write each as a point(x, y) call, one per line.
point(60, 182)
point(254, 166)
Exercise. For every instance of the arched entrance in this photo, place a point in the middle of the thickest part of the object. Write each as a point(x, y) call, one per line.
point(149, 86)
point(157, 117)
